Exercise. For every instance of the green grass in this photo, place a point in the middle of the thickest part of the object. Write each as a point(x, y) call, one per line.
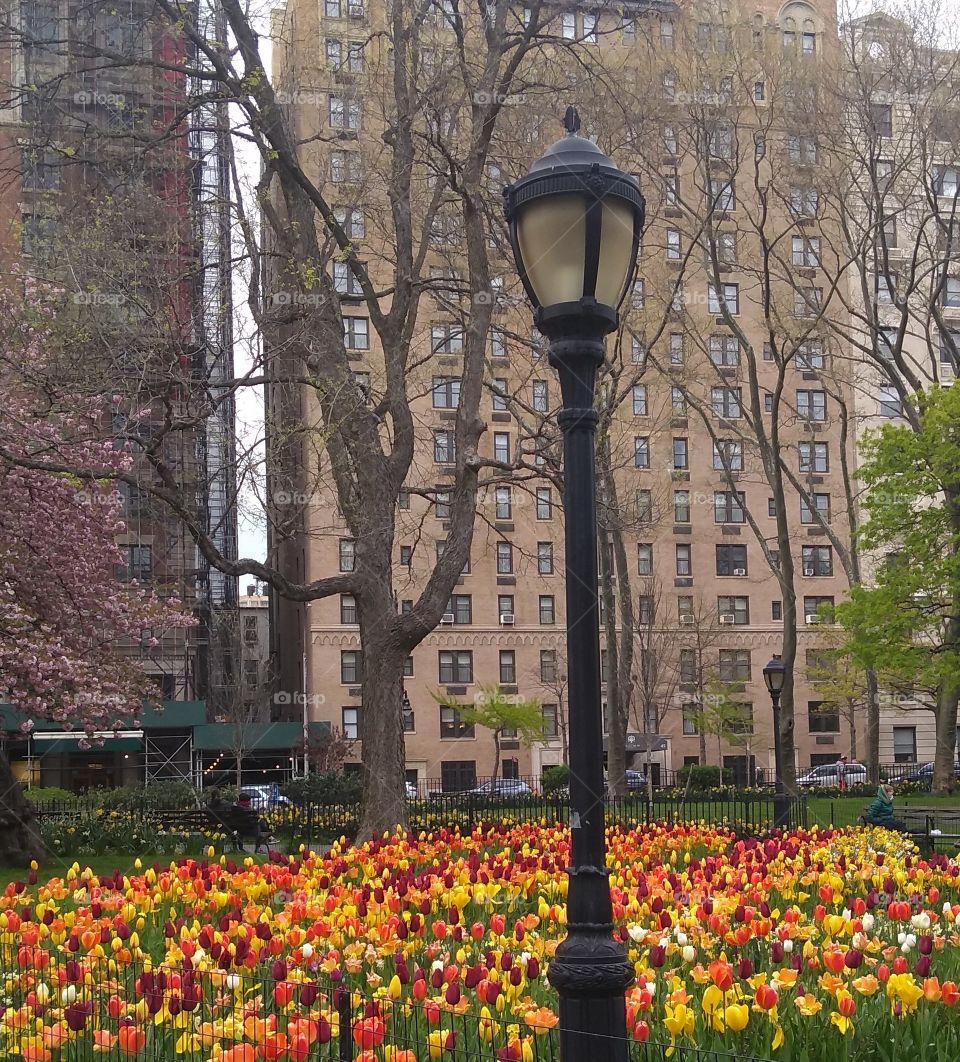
point(56, 867)
point(844, 811)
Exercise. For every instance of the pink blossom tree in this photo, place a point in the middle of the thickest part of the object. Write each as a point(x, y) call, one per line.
point(66, 615)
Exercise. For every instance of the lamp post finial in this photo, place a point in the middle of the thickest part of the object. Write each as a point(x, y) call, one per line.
point(571, 121)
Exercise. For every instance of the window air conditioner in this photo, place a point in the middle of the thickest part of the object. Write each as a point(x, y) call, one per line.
point(809, 571)
point(447, 618)
point(686, 620)
point(812, 620)
point(739, 571)
point(727, 618)
point(506, 619)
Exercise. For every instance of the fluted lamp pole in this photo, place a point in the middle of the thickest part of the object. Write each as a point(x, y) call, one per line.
point(575, 221)
point(774, 676)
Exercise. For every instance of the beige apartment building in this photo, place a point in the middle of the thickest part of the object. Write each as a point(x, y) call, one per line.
point(727, 331)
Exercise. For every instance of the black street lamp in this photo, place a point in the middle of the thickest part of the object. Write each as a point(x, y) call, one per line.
point(575, 223)
point(774, 675)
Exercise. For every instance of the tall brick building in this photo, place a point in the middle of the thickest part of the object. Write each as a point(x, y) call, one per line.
point(726, 333)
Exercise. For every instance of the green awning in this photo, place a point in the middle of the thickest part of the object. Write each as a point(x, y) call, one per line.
point(255, 737)
point(176, 715)
point(72, 744)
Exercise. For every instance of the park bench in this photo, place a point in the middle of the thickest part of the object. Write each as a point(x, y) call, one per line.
point(237, 823)
point(931, 826)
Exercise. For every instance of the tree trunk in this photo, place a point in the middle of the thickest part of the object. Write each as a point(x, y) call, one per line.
point(496, 754)
point(853, 733)
point(19, 831)
point(383, 753)
point(873, 727)
point(946, 737)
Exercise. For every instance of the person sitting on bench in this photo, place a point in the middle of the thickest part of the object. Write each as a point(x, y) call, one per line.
point(880, 812)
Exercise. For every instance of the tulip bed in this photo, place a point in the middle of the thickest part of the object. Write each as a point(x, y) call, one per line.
point(812, 946)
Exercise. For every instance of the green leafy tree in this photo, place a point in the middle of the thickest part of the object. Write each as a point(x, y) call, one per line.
point(503, 714)
point(906, 625)
point(725, 718)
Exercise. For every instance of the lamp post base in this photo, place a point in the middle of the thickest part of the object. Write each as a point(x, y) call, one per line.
point(591, 973)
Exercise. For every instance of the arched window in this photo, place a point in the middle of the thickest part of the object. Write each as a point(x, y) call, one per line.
point(799, 25)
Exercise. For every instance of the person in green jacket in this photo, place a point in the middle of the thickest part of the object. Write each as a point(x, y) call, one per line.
point(880, 812)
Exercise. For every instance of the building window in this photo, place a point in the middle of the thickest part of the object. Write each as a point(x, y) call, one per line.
point(673, 245)
point(452, 726)
point(348, 608)
point(776, 610)
point(806, 251)
point(138, 564)
point(723, 195)
point(690, 716)
point(814, 457)
point(503, 503)
point(348, 555)
point(505, 605)
point(807, 302)
point(504, 558)
point(344, 167)
point(541, 396)
point(726, 296)
point(904, 744)
point(408, 667)
point(344, 113)
point(352, 221)
point(250, 635)
point(645, 558)
point(589, 26)
point(676, 348)
point(724, 350)
point(671, 192)
point(456, 668)
point(551, 722)
point(812, 405)
point(442, 505)
point(501, 447)
point(460, 607)
point(547, 610)
point(498, 343)
point(738, 607)
point(802, 148)
point(350, 721)
point(759, 91)
point(351, 666)
point(890, 402)
point(644, 505)
point(810, 356)
point(688, 665)
point(728, 455)
point(681, 506)
point(356, 333)
point(813, 603)
point(946, 181)
point(548, 665)
point(728, 507)
point(444, 447)
point(639, 400)
point(684, 559)
point(446, 339)
point(881, 118)
point(508, 667)
point(951, 292)
point(406, 606)
point(568, 26)
point(726, 403)
point(545, 558)
point(678, 401)
point(821, 503)
point(641, 452)
point(804, 201)
point(734, 665)
point(645, 610)
point(817, 560)
point(822, 719)
point(680, 454)
point(666, 34)
point(500, 395)
point(446, 392)
point(731, 560)
point(544, 503)
point(638, 351)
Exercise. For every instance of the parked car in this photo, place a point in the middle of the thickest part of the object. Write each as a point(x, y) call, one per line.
point(829, 774)
point(501, 789)
point(924, 773)
point(265, 796)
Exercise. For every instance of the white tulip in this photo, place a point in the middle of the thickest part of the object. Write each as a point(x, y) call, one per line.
point(689, 953)
point(905, 948)
point(307, 950)
point(901, 937)
point(636, 932)
point(681, 940)
point(233, 982)
point(868, 923)
point(787, 946)
point(69, 995)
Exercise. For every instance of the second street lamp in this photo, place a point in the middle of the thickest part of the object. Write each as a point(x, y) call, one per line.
point(575, 222)
point(774, 675)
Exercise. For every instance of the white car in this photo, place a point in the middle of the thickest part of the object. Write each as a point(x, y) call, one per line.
point(264, 796)
point(829, 774)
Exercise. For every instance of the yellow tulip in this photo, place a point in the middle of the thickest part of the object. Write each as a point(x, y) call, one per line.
point(737, 1015)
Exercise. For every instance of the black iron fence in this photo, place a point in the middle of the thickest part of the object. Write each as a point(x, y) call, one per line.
point(197, 1008)
point(312, 823)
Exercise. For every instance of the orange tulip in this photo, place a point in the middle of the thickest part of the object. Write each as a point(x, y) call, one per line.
point(131, 1039)
point(949, 993)
point(722, 974)
point(239, 1053)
